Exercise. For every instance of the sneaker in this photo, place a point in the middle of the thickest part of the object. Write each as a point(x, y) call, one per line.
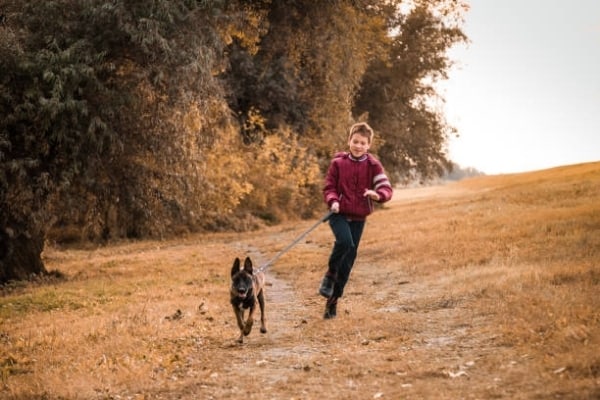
point(330, 310)
point(326, 288)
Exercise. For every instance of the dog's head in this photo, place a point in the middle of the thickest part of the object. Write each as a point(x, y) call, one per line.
point(241, 279)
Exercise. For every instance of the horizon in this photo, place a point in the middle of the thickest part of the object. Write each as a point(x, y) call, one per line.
point(538, 112)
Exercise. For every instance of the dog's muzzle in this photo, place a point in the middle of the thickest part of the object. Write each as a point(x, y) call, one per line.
point(241, 292)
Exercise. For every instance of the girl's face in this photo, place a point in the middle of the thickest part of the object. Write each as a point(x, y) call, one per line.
point(359, 145)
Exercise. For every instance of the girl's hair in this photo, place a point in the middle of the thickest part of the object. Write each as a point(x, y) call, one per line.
point(363, 129)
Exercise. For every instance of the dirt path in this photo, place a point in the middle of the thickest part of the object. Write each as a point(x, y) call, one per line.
point(413, 339)
point(271, 365)
point(283, 349)
point(410, 336)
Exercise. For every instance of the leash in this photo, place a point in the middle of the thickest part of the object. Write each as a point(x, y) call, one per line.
point(299, 238)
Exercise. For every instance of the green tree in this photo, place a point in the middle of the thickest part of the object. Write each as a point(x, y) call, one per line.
point(49, 130)
point(108, 109)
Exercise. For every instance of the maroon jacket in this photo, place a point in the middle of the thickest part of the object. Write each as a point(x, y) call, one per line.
point(348, 178)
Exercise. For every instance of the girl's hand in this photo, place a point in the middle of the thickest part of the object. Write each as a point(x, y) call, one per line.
point(371, 194)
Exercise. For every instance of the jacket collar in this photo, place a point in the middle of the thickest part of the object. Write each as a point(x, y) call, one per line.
point(362, 158)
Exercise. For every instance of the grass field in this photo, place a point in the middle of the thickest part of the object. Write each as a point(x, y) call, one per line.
point(488, 288)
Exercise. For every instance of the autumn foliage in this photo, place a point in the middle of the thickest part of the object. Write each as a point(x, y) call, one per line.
point(137, 119)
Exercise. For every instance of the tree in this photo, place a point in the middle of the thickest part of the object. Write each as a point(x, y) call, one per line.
point(106, 108)
point(307, 69)
point(399, 93)
point(136, 118)
point(48, 131)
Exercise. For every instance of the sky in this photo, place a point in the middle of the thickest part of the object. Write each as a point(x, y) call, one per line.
point(525, 91)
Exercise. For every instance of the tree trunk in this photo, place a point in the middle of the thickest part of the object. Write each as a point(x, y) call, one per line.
point(20, 256)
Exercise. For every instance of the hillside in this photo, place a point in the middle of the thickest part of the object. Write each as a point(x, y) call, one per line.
point(484, 288)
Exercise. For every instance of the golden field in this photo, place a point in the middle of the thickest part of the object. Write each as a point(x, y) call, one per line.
point(488, 288)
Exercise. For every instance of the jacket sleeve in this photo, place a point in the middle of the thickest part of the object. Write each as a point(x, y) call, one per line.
point(330, 193)
point(381, 184)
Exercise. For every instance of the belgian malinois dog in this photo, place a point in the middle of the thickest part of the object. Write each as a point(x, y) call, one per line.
point(247, 287)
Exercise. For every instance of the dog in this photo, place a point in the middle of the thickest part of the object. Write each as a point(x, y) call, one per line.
point(247, 288)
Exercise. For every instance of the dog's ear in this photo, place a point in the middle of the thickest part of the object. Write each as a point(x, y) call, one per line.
point(236, 267)
point(248, 265)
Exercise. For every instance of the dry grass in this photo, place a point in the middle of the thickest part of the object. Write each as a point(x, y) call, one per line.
point(487, 288)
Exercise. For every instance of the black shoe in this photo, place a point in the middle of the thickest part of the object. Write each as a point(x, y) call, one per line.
point(330, 309)
point(326, 288)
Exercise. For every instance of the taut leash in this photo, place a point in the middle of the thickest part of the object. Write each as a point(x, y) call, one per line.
point(299, 238)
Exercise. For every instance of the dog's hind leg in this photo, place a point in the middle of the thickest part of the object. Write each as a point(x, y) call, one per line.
point(263, 318)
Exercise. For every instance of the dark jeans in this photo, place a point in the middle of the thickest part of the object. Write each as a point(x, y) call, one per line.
point(347, 237)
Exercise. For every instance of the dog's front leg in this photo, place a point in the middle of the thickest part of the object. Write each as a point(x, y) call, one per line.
point(249, 321)
point(239, 316)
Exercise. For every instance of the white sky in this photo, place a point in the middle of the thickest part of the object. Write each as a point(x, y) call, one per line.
point(525, 94)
